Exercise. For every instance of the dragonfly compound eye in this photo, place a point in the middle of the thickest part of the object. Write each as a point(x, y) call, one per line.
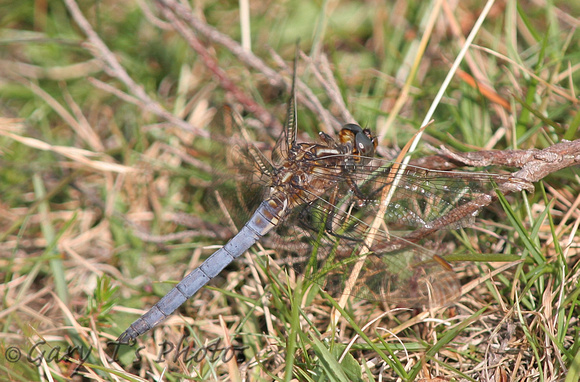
point(364, 142)
point(369, 141)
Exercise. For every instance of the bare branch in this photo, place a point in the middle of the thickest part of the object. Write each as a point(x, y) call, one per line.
point(225, 82)
point(535, 165)
point(116, 70)
point(323, 74)
point(305, 95)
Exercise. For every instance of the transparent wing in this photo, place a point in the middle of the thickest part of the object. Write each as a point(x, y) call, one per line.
point(288, 137)
point(325, 238)
point(330, 235)
point(240, 172)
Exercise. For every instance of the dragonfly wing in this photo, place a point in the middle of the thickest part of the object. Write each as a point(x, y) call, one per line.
point(413, 277)
point(288, 137)
point(329, 235)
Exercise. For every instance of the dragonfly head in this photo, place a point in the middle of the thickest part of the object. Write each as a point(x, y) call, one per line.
point(360, 141)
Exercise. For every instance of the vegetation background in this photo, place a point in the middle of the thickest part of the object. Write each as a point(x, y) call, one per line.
point(105, 109)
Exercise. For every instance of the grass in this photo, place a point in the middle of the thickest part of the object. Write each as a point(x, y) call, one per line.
point(105, 187)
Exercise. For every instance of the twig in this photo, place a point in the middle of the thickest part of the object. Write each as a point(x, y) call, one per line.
point(326, 79)
point(308, 99)
point(186, 14)
point(114, 69)
point(535, 165)
point(116, 92)
point(306, 96)
point(226, 83)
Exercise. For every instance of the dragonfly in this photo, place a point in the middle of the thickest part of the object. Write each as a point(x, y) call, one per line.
point(326, 197)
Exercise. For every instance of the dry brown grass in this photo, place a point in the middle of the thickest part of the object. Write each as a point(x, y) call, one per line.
point(106, 146)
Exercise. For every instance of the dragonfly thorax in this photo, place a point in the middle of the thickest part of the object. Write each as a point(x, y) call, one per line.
point(311, 169)
point(357, 144)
